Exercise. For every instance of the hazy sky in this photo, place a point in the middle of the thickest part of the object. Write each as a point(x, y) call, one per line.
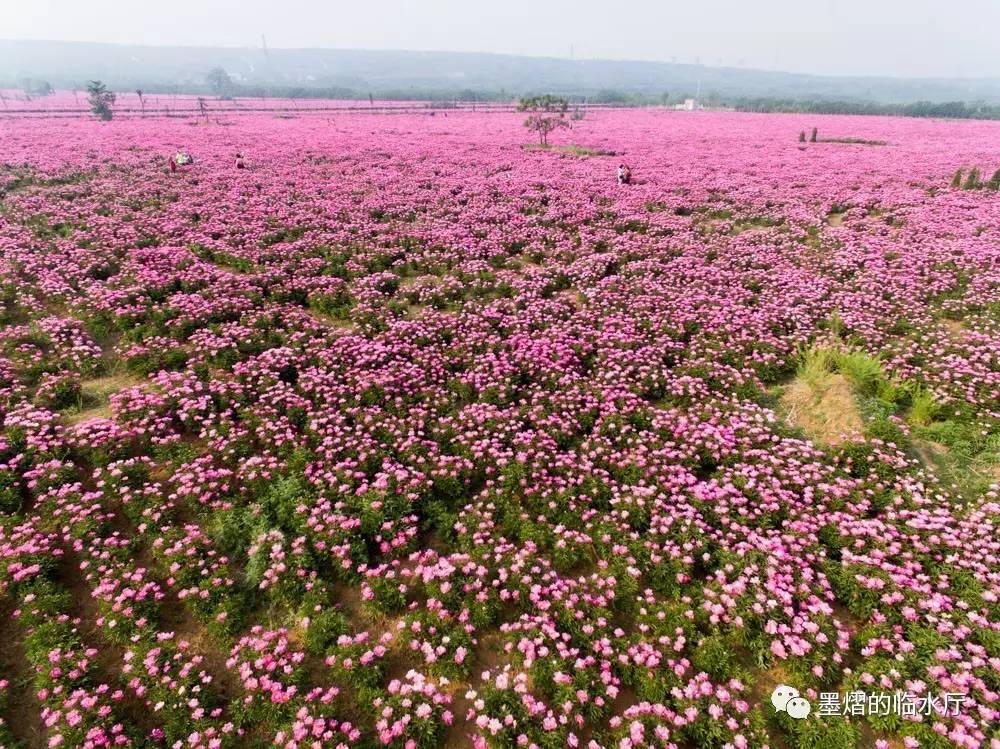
point(885, 37)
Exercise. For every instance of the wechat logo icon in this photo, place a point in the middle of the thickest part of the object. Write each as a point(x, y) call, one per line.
point(787, 698)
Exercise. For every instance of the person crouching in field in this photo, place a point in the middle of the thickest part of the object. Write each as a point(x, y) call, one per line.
point(240, 163)
point(179, 159)
point(624, 175)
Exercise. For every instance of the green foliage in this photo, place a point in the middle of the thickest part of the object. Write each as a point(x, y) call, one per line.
point(819, 733)
point(337, 305)
point(836, 324)
point(923, 406)
point(861, 601)
point(945, 109)
point(816, 364)
point(545, 115)
point(967, 452)
point(101, 100)
point(157, 359)
point(956, 180)
point(855, 141)
point(324, 629)
point(12, 492)
point(972, 182)
point(830, 538)
point(281, 501)
point(715, 657)
point(64, 392)
point(234, 529)
point(864, 370)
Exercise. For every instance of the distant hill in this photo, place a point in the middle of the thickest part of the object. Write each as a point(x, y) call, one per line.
point(400, 73)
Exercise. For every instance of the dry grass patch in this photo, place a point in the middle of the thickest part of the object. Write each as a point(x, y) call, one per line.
point(821, 402)
point(334, 323)
point(929, 452)
point(177, 620)
point(569, 150)
point(955, 328)
point(96, 394)
point(575, 298)
point(764, 682)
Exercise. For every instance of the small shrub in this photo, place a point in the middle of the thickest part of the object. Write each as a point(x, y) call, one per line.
point(923, 407)
point(58, 391)
point(864, 370)
point(816, 364)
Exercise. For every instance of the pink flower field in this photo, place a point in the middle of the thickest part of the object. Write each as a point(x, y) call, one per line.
point(409, 435)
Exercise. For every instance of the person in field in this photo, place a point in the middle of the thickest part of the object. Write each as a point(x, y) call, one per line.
point(179, 159)
point(240, 163)
point(624, 175)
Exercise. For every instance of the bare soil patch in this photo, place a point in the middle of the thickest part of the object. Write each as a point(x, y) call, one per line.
point(23, 715)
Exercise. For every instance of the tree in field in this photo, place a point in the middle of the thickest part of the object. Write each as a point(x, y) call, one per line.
point(994, 183)
point(35, 87)
point(972, 181)
point(546, 114)
point(815, 135)
point(101, 100)
point(219, 81)
point(956, 180)
point(142, 102)
point(802, 137)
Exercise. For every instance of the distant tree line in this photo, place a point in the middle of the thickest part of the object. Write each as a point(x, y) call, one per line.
point(950, 109)
point(218, 83)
